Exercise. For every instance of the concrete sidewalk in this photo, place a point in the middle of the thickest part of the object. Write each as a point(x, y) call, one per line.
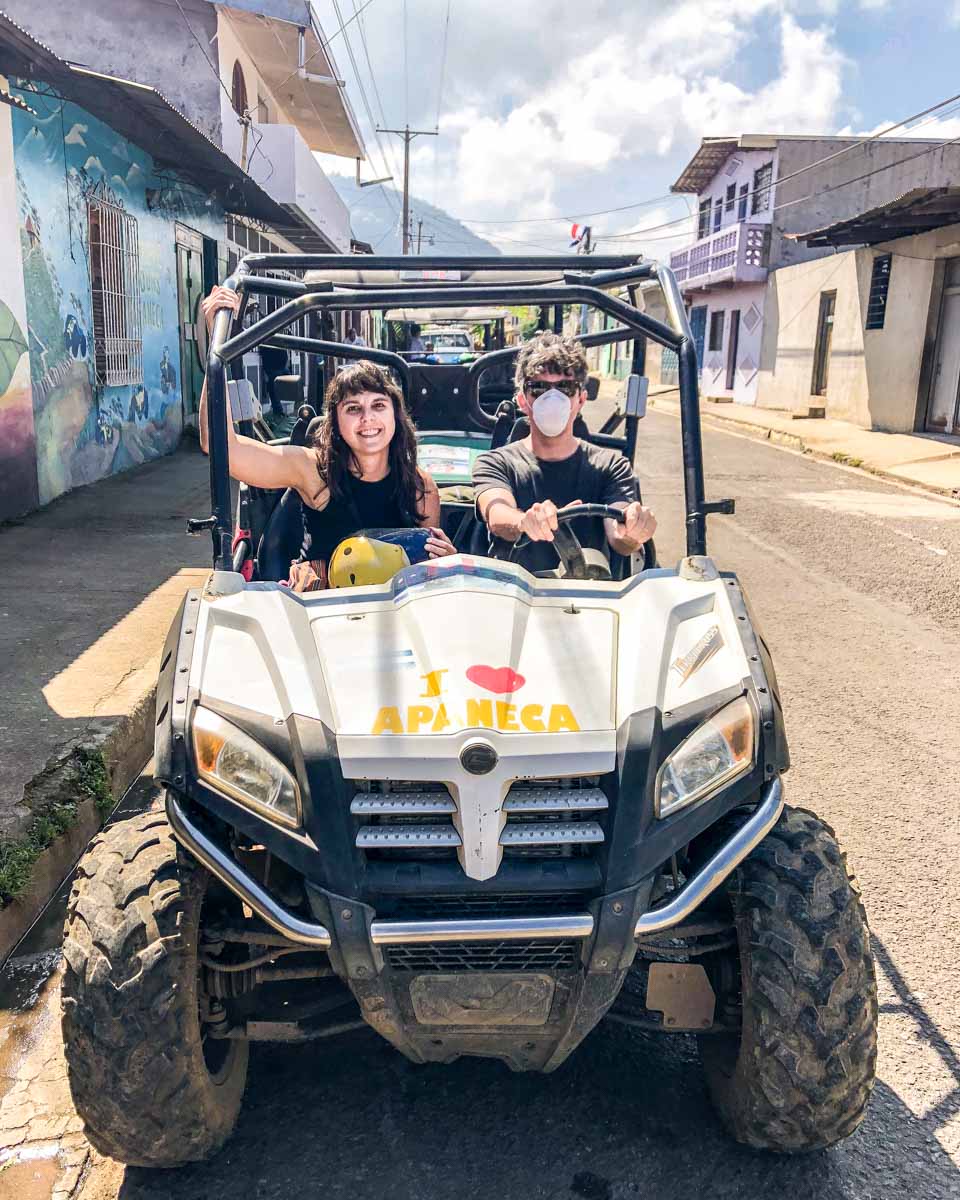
point(88, 589)
point(926, 461)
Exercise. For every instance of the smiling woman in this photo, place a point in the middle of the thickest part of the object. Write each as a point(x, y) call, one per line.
point(360, 473)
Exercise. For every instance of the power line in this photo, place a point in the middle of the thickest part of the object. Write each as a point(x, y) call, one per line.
point(391, 164)
point(443, 63)
point(673, 195)
point(765, 188)
point(322, 47)
point(243, 118)
point(366, 102)
point(630, 236)
point(443, 71)
point(406, 71)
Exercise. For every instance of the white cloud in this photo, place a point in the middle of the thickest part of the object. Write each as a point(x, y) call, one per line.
point(555, 108)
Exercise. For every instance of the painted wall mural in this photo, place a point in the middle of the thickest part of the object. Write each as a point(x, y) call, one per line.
point(74, 430)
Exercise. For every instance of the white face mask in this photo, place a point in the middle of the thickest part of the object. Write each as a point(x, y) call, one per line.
point(551, 412)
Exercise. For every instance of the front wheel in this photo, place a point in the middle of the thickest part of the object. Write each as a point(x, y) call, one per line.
point(799, 1074)
point(152, 1087)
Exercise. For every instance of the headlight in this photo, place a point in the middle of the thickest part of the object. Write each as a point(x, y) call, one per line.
point(714, 754)
point(232, 762)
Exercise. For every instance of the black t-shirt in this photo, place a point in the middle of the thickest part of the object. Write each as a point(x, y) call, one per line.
point(366, 506)
point(592, 474)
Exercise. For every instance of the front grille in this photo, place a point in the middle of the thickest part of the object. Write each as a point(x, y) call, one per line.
point(544, 819)
point(553, 821)
point(562, 955)
point(408, 821)
point(479, 907)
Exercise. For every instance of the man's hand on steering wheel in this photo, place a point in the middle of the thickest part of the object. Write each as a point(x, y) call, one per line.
point(639, 525)
point(539, 522)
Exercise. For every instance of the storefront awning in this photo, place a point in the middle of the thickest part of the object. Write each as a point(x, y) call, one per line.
point(916, 211)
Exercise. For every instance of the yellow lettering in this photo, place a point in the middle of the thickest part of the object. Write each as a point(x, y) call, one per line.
point(432, 680)
point(562, 720)
point(506, 716)
point(417, 715)
point(479, 713)
point(441, 720)
point(531, 717)
point(388, 721)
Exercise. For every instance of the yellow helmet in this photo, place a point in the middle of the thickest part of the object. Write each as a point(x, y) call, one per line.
point(360, 561)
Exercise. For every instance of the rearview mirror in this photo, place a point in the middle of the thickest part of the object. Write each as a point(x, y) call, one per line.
point(635, 396)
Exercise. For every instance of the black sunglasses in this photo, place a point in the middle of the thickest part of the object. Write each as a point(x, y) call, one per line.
point(536, 387)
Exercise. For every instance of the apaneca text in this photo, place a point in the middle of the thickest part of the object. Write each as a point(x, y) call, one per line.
point(481, 714)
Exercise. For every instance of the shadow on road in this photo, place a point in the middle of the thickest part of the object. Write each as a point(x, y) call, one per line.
point(627, 1116)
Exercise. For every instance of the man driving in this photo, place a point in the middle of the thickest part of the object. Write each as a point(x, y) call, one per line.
point(520, 486)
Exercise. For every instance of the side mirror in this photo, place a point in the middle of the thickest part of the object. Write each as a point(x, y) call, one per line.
point(635, 396)
point(593, 387)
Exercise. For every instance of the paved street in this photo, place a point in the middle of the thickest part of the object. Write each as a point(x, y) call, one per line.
point(856, 584)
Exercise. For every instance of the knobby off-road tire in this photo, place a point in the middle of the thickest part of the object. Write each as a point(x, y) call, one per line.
point(801, 1075)
point(131, 1029)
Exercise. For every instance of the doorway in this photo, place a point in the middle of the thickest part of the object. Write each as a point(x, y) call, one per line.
point(942, 414)
point(821, 354)
point(196, 274)
point(733, 344)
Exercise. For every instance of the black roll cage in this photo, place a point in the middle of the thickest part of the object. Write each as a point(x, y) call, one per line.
point(229, 341)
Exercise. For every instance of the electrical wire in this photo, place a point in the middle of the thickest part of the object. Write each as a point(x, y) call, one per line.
point(443, 73)
point(243, 119)
point(673, 195)
point(366, 102)
point(324, 43)
point(392, 167)
point(406, 71)
point(627, 235)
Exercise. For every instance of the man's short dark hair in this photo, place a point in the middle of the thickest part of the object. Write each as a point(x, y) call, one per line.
point(551, 354)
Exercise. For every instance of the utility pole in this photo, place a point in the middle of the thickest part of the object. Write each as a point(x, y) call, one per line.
point(419, 233)
point(408, 135)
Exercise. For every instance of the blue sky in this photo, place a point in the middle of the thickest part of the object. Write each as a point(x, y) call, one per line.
point(552, 108)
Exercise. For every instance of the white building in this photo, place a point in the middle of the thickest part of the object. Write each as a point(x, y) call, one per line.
point(753, 191)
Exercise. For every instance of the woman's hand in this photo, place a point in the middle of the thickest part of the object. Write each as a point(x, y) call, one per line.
point(220, 297)
point(438, 545)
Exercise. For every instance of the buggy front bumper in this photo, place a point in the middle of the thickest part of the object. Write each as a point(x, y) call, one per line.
point(395, 932)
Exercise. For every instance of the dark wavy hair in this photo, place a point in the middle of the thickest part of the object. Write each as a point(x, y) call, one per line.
point(336, 461)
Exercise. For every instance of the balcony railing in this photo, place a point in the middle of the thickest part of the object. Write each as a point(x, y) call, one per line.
point(735, 254)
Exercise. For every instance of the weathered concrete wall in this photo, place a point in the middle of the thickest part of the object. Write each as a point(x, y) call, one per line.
point(792, 309)
point(144, 40)
point(874, 374)
point(819, 206)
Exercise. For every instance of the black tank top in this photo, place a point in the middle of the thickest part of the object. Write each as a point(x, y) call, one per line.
point(365, 506)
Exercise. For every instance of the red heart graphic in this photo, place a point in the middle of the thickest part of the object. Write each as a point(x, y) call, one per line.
point(501, 680)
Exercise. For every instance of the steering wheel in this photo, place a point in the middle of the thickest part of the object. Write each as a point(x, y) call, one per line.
point(565, 541)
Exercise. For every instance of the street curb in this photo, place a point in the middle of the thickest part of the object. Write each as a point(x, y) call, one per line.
point(125, 744)
point(778, 437)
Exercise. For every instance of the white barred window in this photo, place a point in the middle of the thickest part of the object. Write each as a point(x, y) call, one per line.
point(115, 283)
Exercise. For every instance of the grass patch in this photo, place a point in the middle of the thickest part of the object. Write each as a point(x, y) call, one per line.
point(17, 858)
point(84, 778)
point(848, 460)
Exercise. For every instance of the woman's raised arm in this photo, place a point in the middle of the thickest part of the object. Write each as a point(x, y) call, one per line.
point(252, 461)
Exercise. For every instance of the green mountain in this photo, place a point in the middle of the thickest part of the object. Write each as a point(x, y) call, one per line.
point(374, 217)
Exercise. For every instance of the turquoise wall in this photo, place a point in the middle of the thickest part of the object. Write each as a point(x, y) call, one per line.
point(80, 432)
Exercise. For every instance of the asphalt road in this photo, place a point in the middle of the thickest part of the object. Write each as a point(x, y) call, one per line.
point(857, 586)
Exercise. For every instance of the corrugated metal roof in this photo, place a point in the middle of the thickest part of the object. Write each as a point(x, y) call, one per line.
point(144, 116)
point(916, 211)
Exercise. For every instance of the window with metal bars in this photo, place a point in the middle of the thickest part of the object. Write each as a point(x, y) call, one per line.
point(762, 180)
point(879, 286)
point(115, 285)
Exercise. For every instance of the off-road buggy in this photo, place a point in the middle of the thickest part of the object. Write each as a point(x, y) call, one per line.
point(476, 809)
